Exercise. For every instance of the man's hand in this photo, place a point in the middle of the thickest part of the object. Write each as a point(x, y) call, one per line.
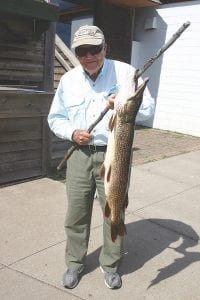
point(111, 100)
point(81, 137)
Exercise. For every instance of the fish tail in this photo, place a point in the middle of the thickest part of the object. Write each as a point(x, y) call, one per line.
point(117, 229)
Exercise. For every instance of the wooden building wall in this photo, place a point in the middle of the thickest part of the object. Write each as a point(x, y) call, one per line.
point(24, 61)
point(26, 93)
point(24, 135)
point(58, 72)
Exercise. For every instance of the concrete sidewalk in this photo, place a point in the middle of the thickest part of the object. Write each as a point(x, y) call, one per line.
point(162, 255)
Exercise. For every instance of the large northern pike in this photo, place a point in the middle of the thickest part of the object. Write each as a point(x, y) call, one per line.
point(117, 165)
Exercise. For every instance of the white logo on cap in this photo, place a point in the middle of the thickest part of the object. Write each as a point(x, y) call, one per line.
point(86, 32)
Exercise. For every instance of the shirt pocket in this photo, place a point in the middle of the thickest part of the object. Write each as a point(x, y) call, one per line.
point(76, 111)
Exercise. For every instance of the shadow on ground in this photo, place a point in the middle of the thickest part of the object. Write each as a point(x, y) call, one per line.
point(146, 240)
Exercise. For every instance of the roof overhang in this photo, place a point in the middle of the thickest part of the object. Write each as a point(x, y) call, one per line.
point(31, 8)
point(135, 3)
point(79, 8)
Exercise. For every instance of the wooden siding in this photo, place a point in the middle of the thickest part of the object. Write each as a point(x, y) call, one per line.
point(26, 93)
point(59, 70)
point(64, 61)
point(32, 8)
point(24, 135)
point(21, 52)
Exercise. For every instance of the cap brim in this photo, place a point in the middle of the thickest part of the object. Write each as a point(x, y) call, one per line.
point(81, 42)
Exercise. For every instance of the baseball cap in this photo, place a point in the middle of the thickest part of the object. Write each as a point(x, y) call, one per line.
point(88, 35)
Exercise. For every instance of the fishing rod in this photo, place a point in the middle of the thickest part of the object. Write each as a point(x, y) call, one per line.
point(138, 73)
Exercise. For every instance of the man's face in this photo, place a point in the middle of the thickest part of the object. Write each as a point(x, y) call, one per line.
point(89, 59)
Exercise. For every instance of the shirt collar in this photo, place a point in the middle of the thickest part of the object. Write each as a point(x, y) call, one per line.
point(101, 72)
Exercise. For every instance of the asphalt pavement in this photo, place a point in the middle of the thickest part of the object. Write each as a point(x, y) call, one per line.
point(162, 249)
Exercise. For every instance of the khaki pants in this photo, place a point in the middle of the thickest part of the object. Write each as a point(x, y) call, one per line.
point(82, 180)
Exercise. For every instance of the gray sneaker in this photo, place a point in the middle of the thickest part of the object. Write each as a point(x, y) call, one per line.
point(112, 280)
point(71, 278)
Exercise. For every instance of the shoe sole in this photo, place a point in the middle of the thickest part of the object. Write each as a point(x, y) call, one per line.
point(71, 287)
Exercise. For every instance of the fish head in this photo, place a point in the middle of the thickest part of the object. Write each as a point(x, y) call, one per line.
point(125, 91)
point(128, 110)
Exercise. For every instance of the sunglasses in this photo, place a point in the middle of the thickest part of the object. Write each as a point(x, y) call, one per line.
point(81, 51)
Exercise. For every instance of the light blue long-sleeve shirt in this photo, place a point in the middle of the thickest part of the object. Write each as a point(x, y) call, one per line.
point(79, 100)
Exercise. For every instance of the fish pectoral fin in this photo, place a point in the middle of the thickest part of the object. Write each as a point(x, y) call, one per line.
point(117, 229)
point(107, 210)
point(102, 171)
point(108, 174)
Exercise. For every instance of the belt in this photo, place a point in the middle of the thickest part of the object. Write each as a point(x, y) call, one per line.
point(94, 148)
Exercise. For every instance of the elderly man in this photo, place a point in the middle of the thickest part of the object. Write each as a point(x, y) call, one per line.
point(82, 94)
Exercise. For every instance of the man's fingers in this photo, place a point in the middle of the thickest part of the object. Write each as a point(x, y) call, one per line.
point(82, 137)
point(86, 135)
point(111, 100)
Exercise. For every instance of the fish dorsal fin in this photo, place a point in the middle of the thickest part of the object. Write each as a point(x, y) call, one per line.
point(112, 121)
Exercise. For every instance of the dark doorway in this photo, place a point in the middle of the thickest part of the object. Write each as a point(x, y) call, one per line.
point(117, 24)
